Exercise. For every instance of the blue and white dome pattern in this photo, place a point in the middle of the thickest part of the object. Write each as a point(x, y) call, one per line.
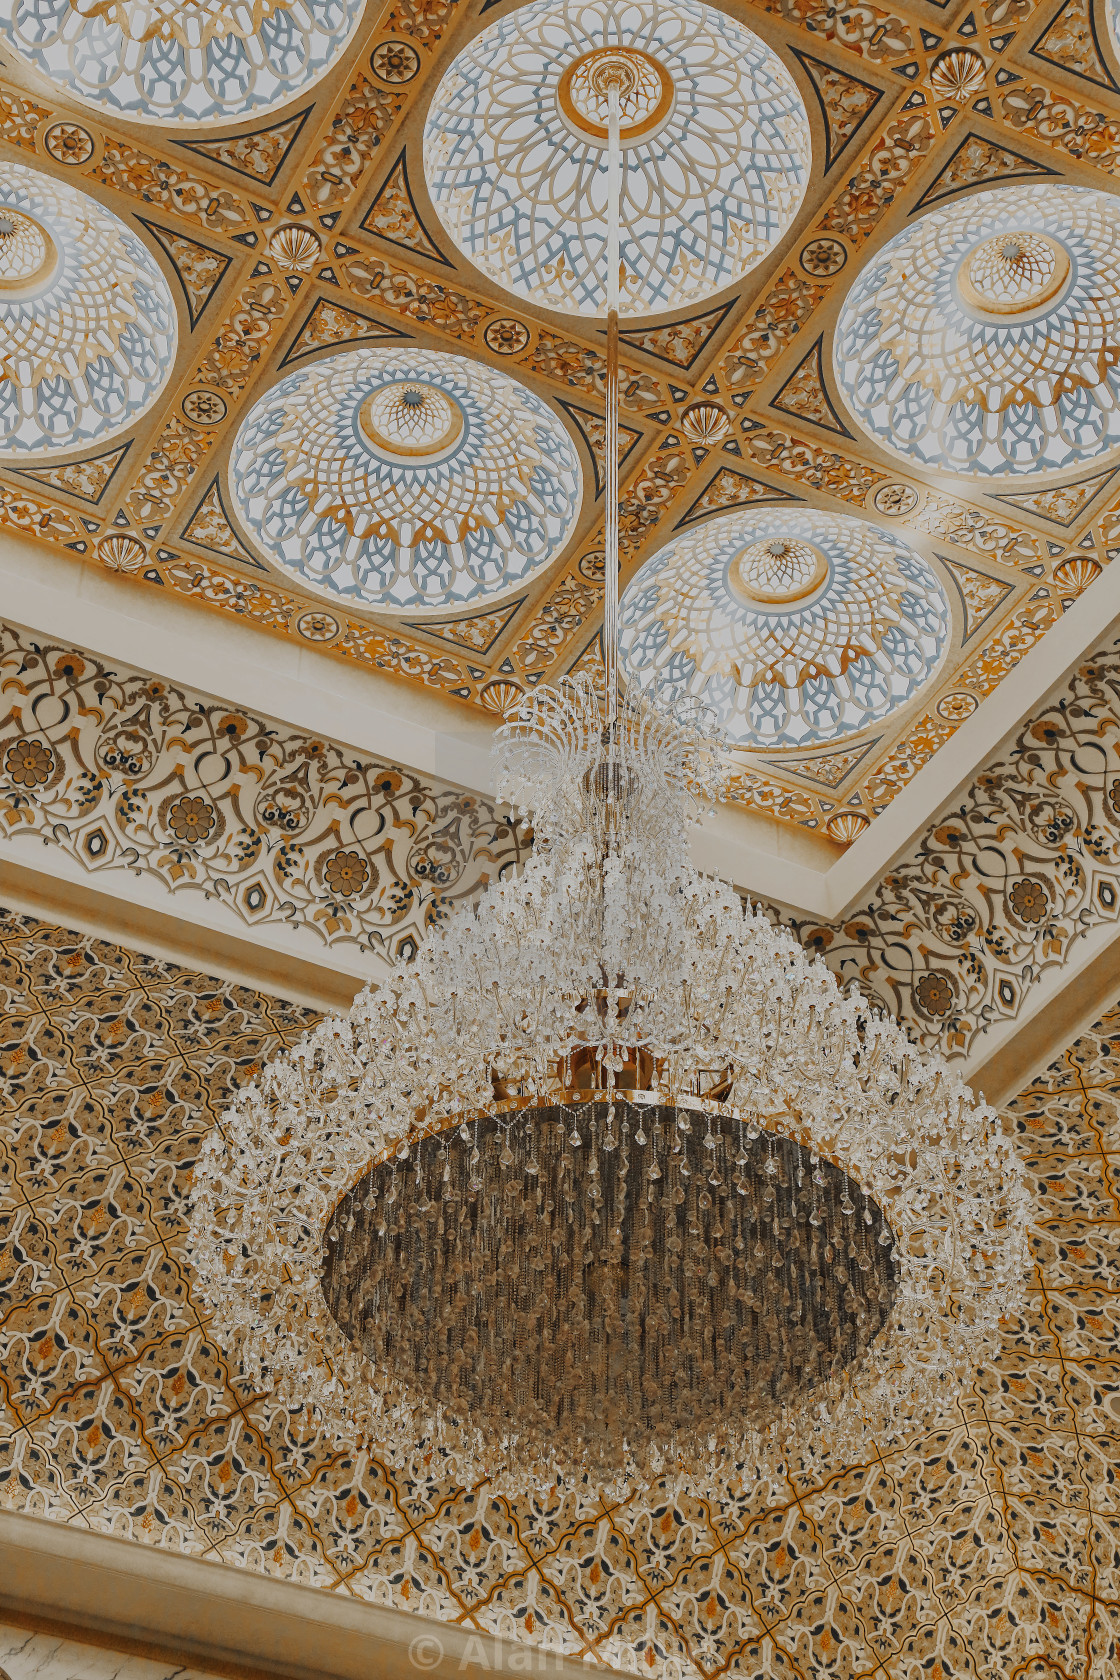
point(405, 480)
point(88, 329)
point(983, 338)
point(181, 62)
point(716, 152)
point(793, 627)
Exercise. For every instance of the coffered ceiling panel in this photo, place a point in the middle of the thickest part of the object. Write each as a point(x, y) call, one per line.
point(296, 224)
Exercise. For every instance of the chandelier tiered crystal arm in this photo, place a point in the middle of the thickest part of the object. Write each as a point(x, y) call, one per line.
point(612, 1180)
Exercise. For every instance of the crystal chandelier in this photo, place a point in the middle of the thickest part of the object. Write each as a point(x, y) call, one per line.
point(611, 1181)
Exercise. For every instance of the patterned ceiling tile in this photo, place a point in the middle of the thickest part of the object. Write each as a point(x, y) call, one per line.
point(120, 1412)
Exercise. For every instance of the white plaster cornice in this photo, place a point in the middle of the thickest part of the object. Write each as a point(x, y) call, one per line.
point(424, 731)
point(63, 1578)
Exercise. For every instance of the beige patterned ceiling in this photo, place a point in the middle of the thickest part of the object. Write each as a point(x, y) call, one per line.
point(986, 1549)
point(305, 231)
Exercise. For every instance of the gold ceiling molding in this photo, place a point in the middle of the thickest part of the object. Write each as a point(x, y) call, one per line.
point(830, 770)
point(199, 269)
point(730, 488)
point(1062, 506)
point(259, 154)
point(845, 103)
point(981, 595)
point(209, 527)
point(979, 161)
point(393, 216)
point(88, 480)
point(477, 632)
point(592, 428)
point(681, 342)
point(1054, 118)
point(328, 324)
point(1070, 41)
point(805, 394)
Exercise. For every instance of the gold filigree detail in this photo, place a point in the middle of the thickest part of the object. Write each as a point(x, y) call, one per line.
point(409, 420)
point(1013, 274)
point(777, 570)
point(645, 93)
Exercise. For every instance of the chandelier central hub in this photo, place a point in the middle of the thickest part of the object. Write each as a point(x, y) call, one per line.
point(411, 420)
point(1012, 274)
point(629, 1266)
point(28, 254)
point(645, 93)
point(777, 571)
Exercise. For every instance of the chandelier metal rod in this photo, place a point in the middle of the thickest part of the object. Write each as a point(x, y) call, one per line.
point(610, 604)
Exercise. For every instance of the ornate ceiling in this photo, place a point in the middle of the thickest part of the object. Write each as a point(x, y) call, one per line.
point(282, 198)
point(986, 1549)
point(284, 397)
point(791, 627)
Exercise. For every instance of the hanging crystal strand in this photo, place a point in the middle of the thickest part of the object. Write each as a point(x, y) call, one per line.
point(614, 200)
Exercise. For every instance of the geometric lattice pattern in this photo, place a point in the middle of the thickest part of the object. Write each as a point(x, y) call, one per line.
point(716, 154)
point(87, 326)
point(989, 1546)
point(182, 61)
point(785, 655)
point(980, 339)
point(405, 481)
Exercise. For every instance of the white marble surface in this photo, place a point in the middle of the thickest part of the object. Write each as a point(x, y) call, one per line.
point(41, 1656)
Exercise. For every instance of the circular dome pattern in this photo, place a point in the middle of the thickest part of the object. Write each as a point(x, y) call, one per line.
point(181, 61)
point(793, 627)
point(87, 325)
point(985, 338)
point(405, 480)
point(715, 143)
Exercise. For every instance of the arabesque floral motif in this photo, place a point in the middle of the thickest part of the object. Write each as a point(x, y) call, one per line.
point(136, 774)
point(191, 818)
point(29, 763)
point(1001, 890)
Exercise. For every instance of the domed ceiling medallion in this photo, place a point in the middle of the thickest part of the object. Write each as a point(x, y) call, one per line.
point(181, 61)
point(793, 627)
point(985, 338)
point(405, 480)
point(715, 143)
point(87, 325)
